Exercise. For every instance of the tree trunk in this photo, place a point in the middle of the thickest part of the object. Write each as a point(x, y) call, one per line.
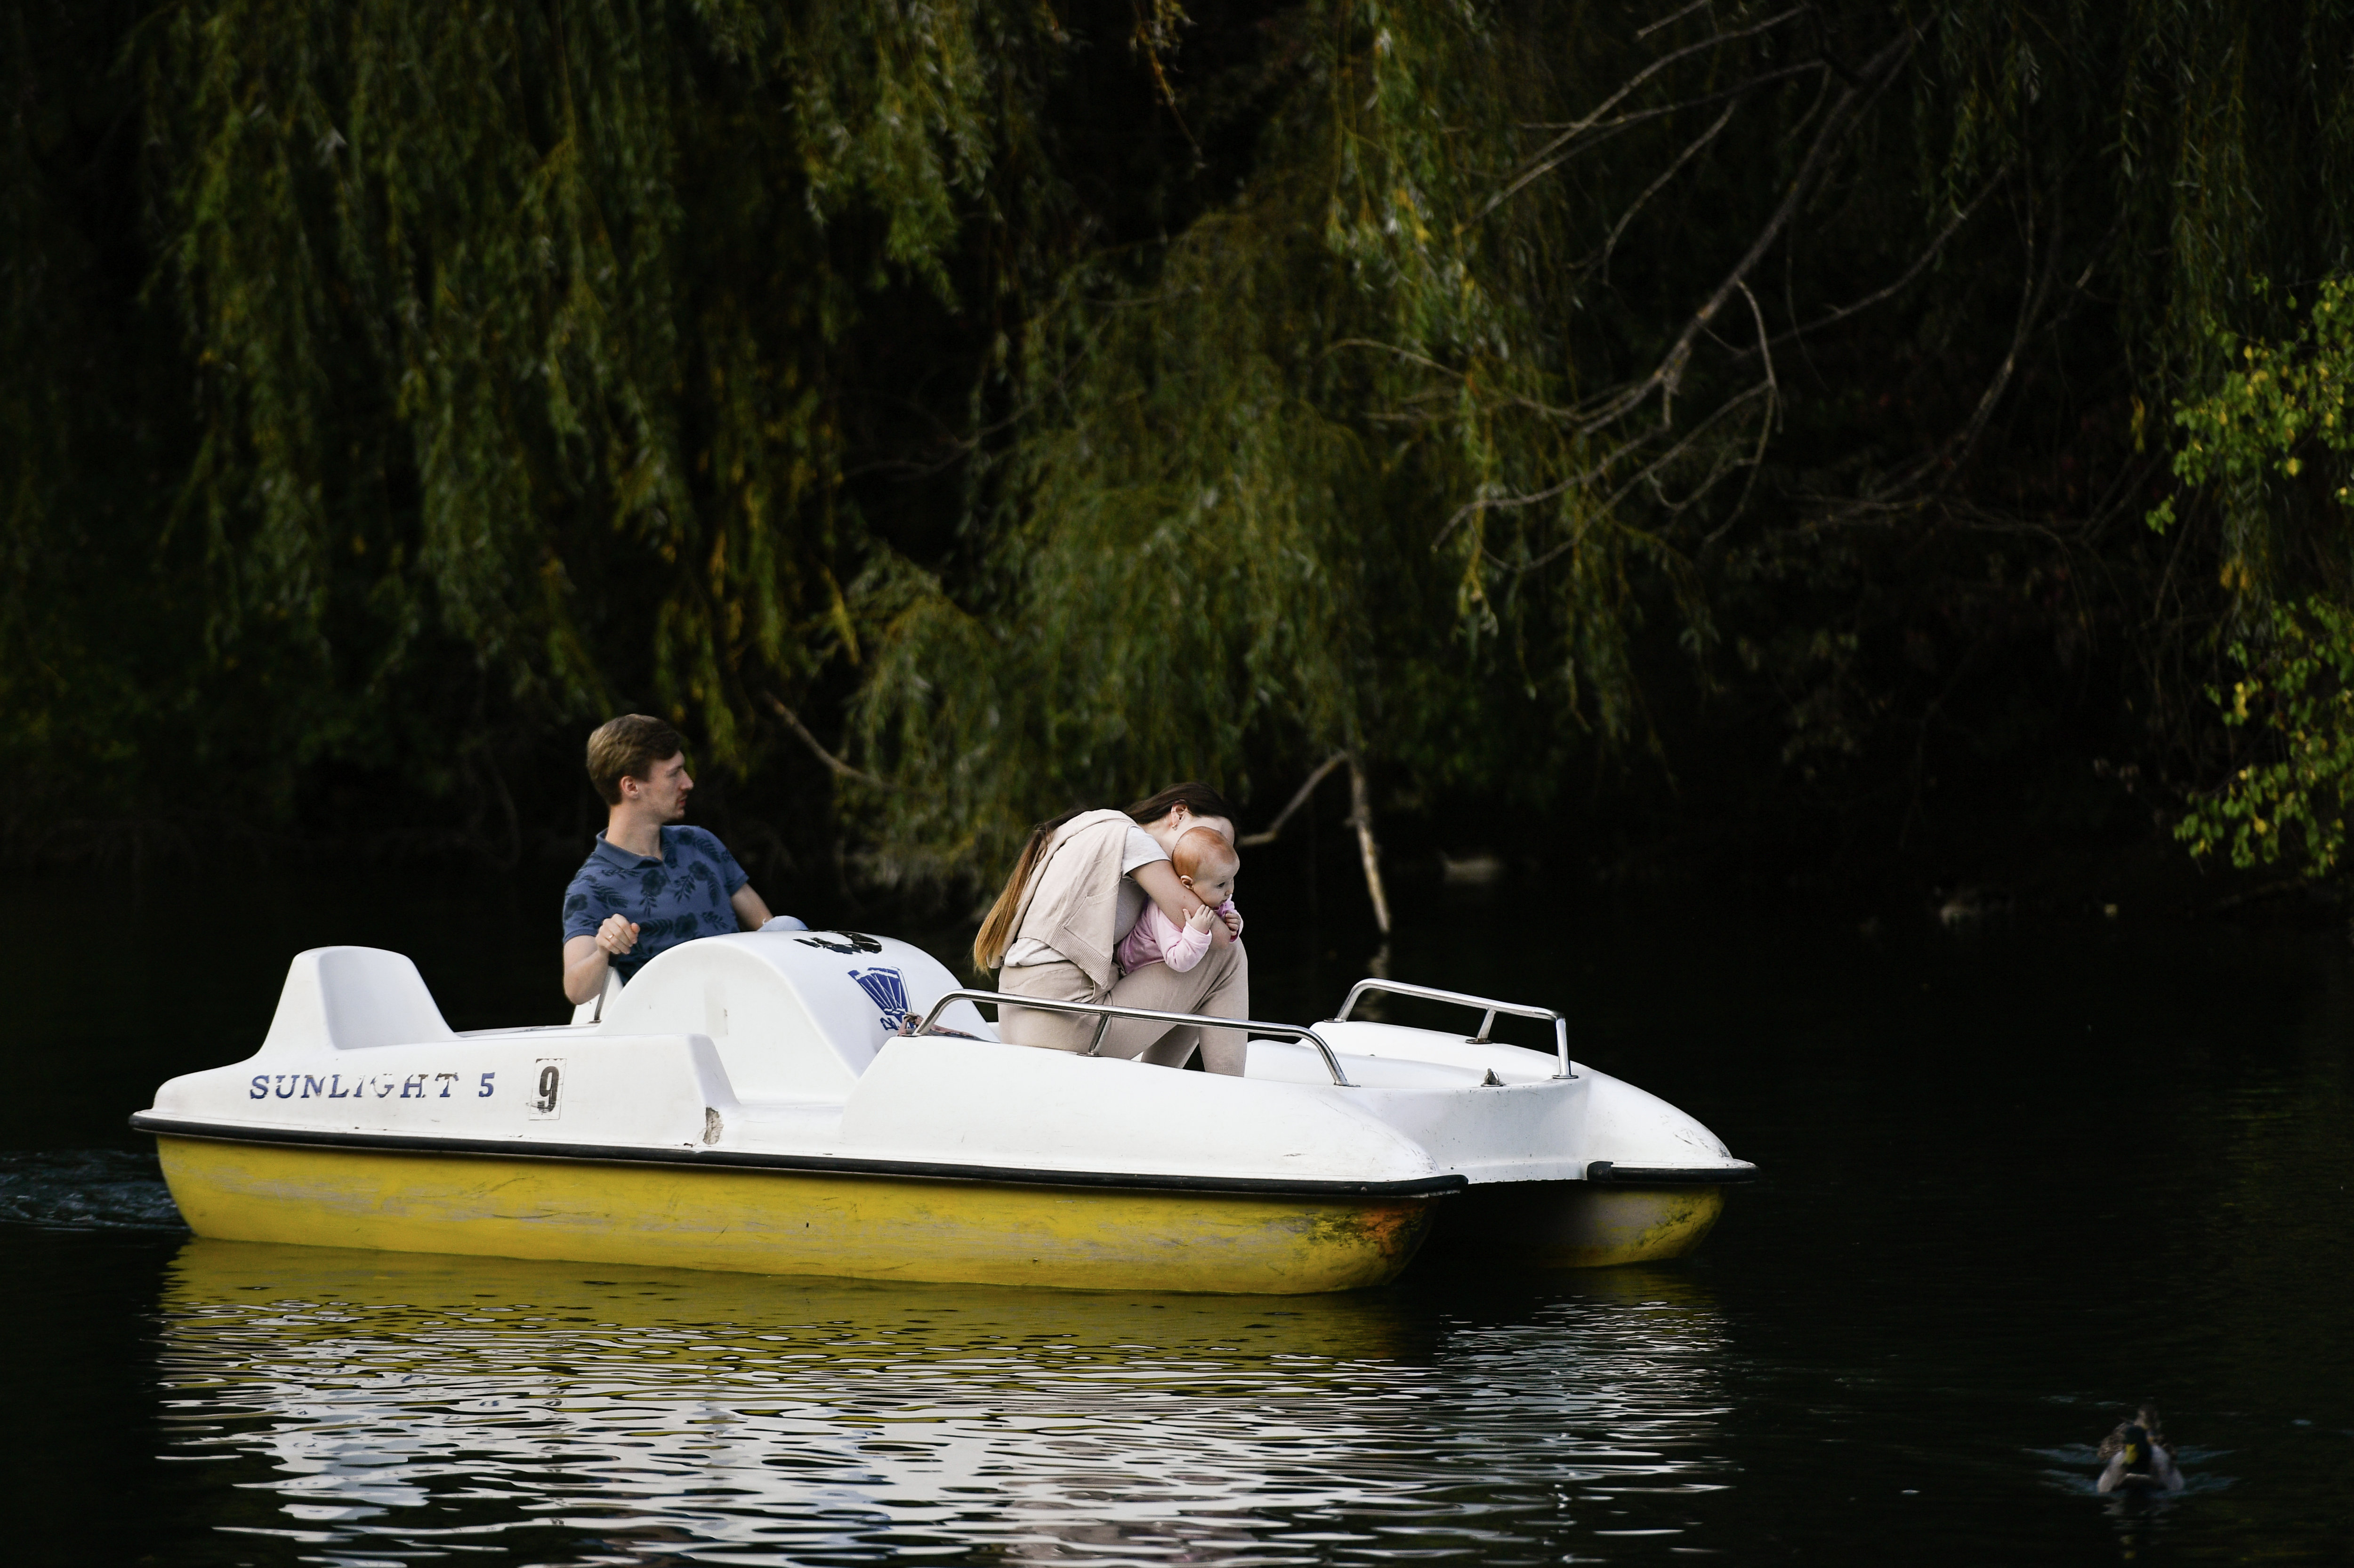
point(1361, 816)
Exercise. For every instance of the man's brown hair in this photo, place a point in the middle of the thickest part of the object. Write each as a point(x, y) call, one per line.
point(629, 747)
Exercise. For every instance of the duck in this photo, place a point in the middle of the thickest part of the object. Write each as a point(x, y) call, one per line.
point(2135, 1458)
point(1479, 865)
point(1968, 905)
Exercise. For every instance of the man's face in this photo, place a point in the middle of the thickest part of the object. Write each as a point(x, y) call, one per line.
point(662, 792)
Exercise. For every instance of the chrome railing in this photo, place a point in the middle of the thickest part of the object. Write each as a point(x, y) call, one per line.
point(1461, 998)
point(1103, 1013)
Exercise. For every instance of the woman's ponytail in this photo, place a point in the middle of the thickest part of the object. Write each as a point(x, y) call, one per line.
point(997, 932)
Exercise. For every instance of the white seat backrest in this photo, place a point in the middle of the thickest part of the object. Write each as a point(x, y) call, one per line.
point(349, 999)
point(592, 1009)
point(794, 1015)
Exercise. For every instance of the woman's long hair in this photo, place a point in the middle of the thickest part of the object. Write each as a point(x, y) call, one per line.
point(1193, 795)
point(996, 933)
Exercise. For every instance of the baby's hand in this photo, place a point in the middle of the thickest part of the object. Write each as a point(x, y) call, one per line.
point(1201, 918)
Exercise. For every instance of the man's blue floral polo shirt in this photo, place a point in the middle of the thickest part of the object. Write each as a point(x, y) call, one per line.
point(675, 899)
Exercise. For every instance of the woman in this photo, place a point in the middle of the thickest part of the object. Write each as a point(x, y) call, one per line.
point(1076, 893)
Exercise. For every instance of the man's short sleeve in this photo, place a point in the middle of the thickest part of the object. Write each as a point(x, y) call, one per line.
point(584, 908)
point(731, 875)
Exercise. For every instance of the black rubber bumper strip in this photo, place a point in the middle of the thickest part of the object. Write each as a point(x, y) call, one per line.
point(1668, 1175)
point(804, 1164)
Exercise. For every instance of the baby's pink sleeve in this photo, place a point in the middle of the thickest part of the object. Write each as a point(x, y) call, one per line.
point(1182, 946)
point(1138, 948)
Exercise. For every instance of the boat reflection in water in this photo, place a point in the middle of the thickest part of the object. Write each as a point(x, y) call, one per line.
point(403, 1402)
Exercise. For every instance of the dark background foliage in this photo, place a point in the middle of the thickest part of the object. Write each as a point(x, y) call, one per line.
point(1659, 441)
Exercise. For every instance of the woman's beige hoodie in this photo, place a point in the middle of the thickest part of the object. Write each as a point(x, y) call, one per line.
point(1072, 903)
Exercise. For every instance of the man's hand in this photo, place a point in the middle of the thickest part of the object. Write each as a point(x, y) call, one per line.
point(750, 913)
point(587, 961)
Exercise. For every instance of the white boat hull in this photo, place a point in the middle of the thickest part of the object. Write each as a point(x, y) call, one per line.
point(746, 1104)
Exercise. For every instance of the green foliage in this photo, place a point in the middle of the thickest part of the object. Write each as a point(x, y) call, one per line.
point(2279, 399)
point(2284, 416)
point(92, 644)
point(1062, 401)
point(1443, 216)
point(1415, 442)
point(1306, 482)
point(2299, 688)
point(2281, 410)
point(513, 325)
point(1186, 558)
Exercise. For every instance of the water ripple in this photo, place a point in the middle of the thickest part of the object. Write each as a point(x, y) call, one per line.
point(85, 1189)
point(395, 1404)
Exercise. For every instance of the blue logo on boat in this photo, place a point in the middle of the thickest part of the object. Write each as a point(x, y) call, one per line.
point(888, 990)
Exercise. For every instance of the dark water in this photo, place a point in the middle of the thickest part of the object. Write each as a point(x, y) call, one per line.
point(2018, 1178)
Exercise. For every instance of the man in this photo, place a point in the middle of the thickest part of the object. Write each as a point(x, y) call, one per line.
point(647, 886)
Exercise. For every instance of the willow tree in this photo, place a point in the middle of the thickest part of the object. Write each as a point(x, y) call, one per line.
point(518, 329)
point(1778, 389)
point(1545, 341)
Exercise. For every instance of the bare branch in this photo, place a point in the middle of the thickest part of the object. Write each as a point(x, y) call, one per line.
point(1544, 157)
point(1953, 225)
point(1576, 481)
point(1480, 503)
point(1651, 468)
point(1764, 427)
point(1640, 116)
point(1721, 466)
point(794, 722)
point(1960, 449)
point(1390, 348)
point(1267, 834)
point(1691, 150)
point(1671, 19)
point(1665, 377)
point(1955, 448)
point(1773, 384)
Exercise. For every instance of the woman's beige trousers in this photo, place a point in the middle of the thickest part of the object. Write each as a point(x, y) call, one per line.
point(1219, 985)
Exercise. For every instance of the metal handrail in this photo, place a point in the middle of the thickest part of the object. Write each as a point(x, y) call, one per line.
point(1105, 1012)
point(1462, 998)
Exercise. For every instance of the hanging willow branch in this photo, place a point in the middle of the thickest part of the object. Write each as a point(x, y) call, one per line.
point(513, 321)
point(1215, 531)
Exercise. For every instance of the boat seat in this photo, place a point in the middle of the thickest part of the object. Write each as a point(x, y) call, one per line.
point(350, 998)
point(593, 1010)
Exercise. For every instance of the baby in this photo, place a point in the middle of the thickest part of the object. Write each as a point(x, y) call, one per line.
point(1207, 866)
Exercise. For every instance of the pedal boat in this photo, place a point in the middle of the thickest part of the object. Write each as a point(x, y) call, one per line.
point(749, 1103)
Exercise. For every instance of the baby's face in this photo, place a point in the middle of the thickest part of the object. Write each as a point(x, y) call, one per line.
point(1214, 885)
